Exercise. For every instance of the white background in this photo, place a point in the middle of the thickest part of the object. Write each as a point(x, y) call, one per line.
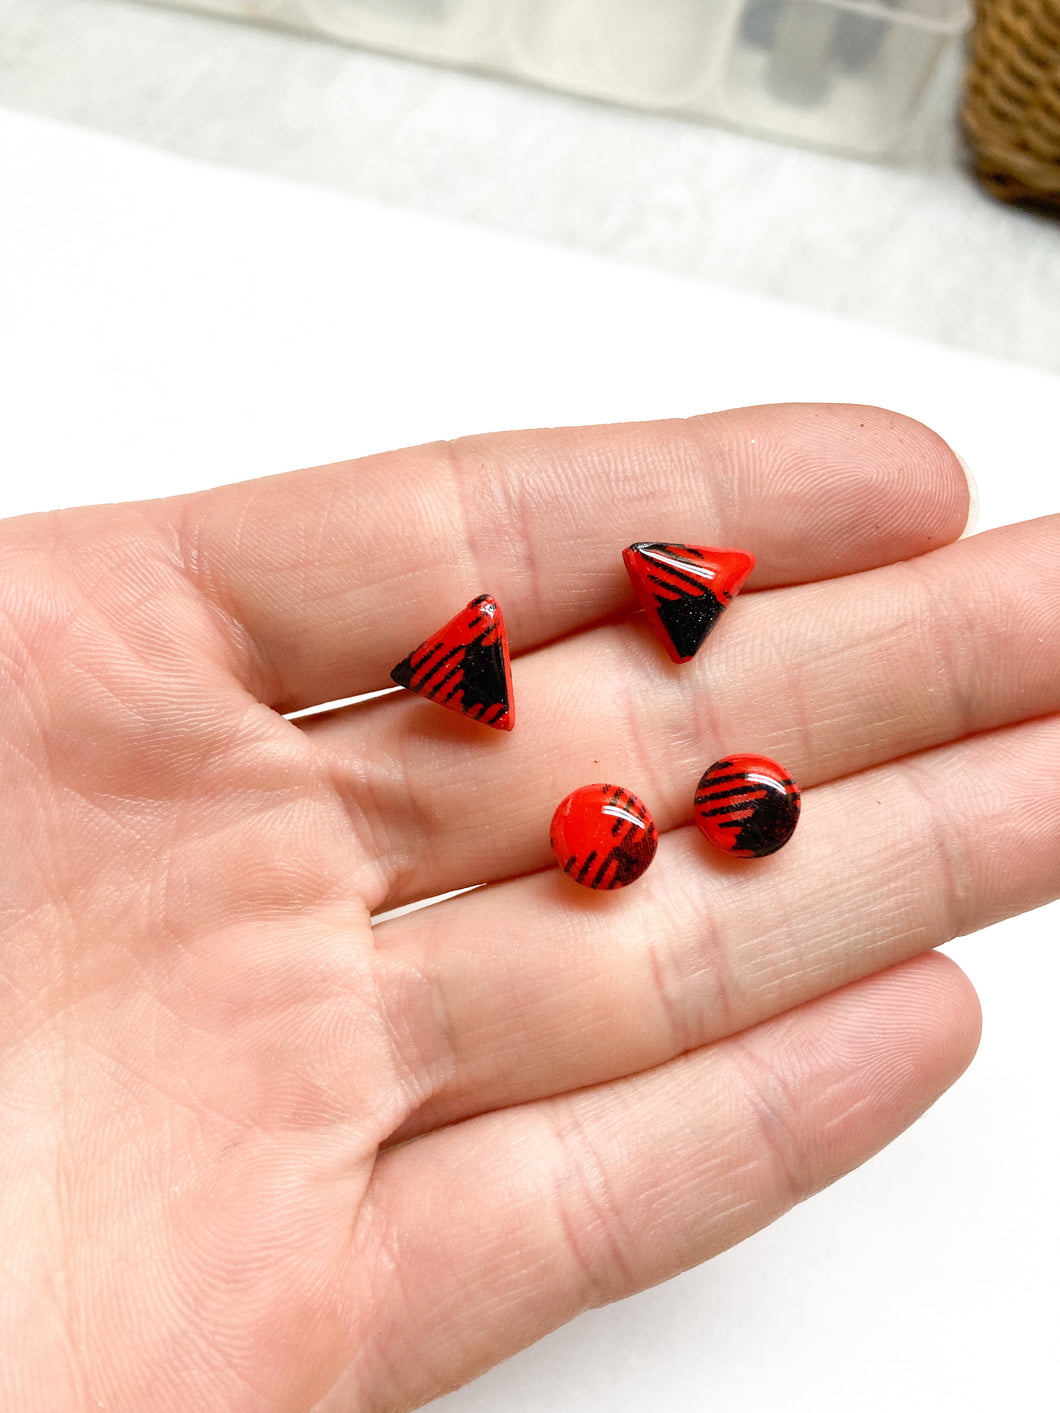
point(165, 326)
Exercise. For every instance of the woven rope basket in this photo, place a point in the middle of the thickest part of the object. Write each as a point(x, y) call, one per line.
point(1012, 98)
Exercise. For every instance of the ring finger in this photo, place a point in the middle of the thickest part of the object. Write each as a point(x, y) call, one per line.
point(540, 987)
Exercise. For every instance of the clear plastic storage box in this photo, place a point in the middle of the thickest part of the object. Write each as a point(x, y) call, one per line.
point(851, 75)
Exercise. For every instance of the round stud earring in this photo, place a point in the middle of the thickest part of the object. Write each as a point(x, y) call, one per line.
point(603, 836)
point(747, 806)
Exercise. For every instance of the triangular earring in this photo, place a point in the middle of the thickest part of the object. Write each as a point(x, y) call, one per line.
point(465, 666)
point(684, 589)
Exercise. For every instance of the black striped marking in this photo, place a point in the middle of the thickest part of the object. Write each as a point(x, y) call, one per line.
point(747, 806)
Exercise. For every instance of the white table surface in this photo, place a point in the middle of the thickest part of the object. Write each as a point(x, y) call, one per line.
point(165, 325)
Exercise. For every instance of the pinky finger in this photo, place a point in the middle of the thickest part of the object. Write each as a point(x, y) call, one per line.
point(499, 1229)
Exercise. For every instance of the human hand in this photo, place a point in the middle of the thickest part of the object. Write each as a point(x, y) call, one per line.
point(258, 1154)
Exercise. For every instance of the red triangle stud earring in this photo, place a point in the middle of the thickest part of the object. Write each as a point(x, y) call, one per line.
point(465, 666)
point(684, 589)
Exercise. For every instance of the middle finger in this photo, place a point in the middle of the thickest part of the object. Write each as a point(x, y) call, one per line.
point(827, 678)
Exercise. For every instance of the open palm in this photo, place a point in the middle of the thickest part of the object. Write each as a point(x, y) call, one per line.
point(261, 1155)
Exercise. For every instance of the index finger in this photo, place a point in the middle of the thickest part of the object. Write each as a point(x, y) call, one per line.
point(331, 575)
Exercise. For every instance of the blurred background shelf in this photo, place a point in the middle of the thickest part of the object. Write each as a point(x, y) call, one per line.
point(848, 75)
point(915, 247)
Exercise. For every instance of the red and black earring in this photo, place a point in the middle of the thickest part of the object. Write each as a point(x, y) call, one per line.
point(466, 666)
point(684, 589)
point(603, 836)
point(747, 806)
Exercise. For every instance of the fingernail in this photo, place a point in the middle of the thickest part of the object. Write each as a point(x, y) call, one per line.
point(973, 499)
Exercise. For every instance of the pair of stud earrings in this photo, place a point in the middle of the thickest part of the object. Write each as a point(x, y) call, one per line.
point(603, 836)
point(466, 667)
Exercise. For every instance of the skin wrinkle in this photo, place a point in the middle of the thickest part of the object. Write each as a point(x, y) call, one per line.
point(625, 462)
point(315, 534)
point(840, 490)
point(510, 523)
point(775, 958)
point(382, 1244)
point(905, 859)
point(384, 787)
point(36, 792)
point(786, 681)
point(704, 710)
point(123, 608)
point(435, 1061)
point(952, 627)
point(16, 1041)
point(897, 634)
point(61, 1278)
point(601, 1278)
point(828, 1168)
point(666, 1002)
point(915, 803)
point(455, 1080)
point(642, 766)
point(469, 543)
point(414, 1087)
point(357, 800)
point(945, 834)
point(248, 659)
point(184, 1321)
point(474, 1073)
point(452, 1096)
point(722, 472)
point(91, 687)
point(677, 462)
point(746, 461)
point(683, 989)
point(43, 768)
point(794, 954)
point(91, 608)
point(139, 1092)
point(197, 742)
point(75, 1345)
point(19, 663)
point(768, 1102)
point(124, 556)
point(234, 823)
point(158, 1004)
point(166, 893)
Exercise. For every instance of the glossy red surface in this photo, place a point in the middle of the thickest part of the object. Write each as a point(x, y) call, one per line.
point(603, 836)
point(465, 666)
point(683, 590)
point(747, 806)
